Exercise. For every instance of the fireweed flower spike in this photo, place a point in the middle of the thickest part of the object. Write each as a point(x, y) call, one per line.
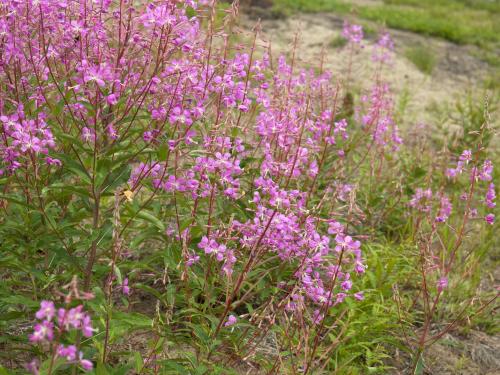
point(353, 33)
point(52, 328)
point(383, 49)
point(425, 200)
point(444, 209)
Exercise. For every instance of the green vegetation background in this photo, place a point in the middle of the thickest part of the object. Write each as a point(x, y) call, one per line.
point(460, 21)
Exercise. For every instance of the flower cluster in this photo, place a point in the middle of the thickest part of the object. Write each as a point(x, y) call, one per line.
point(54, 324)
point(462, 162)
point(484, 173)
point(377, 111)
point(378, 117)
point(383, 49)
point(423, 200)
point(490, 196)
point(444, 209)
point(221, 253)
point(23, 136)
point(353, 33)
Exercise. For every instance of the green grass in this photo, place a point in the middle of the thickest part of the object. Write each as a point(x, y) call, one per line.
point(312, 5)
point(459, 21)
point(423, 58)
point(462, 25)
point(338, 42)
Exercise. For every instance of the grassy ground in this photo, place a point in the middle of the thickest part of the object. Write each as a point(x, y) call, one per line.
point(459, 21)
point(423, 59)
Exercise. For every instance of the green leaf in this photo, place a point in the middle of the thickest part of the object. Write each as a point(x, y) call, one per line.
point(132, 320)
point(122, 370)
point(145, 215)
point(19, 300)
point(419, 368)
point(75, 167)
point(148, 289)
point(172, 365)
point(139, 363)
point(118, 274)
point(4, 371)
point(11, 315)
point(17, 201)
point(101, 369)
point(68, 189)
point(201, 370)
point(53, 365)
point(163, 152)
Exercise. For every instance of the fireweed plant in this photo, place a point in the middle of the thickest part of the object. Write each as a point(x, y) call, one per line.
point(202, 191)
point(439, 236)
point(56, 323)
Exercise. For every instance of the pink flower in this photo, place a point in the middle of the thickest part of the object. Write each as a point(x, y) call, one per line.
point(451, 172)
point(193, 258)
point(346, 285)
point(421, 200)
point(94, 74)
point(346, 243)
point(359, 267)
point(444, 210)
point(334, 227)
point(125, 287)
point(353, 33)
point(87, 329)
point(490, 196)
point(43, 331)
point(111, 132)
point(490, 219)
point(340, 297)
point(486, 171)
point(359, 296)
point(75, 316)
point(68, 352)
point(111, 99)
point(88, 135)
point(47, 310)
point(466, 156)
point(33, 367)
point(61, 317)
point(442, 283)
point(86, 364)
point(51, 161)
point(231, 320)
point(317, 316)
